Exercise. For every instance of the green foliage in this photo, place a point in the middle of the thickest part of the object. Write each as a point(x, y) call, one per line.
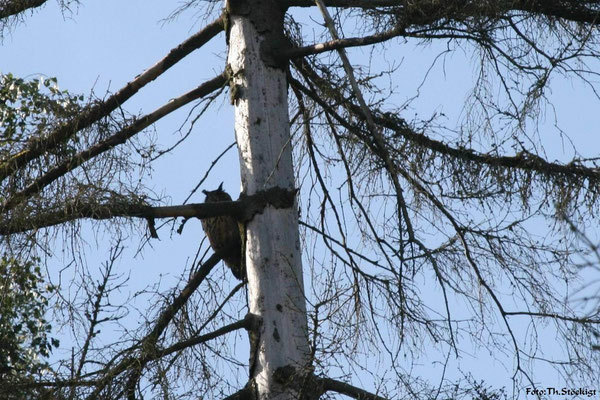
point(29, 107)
point(23, 327)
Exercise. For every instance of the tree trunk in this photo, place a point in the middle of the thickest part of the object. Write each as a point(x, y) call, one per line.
point(273, 257)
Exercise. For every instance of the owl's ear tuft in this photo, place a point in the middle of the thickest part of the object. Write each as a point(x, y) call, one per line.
point(220, 188)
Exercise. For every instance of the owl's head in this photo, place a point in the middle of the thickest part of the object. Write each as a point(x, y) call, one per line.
point(213, 196)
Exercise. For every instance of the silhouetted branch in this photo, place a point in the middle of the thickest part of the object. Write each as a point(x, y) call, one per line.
point(13, 7)
point(148, 344)
point(244, 394)
point(329, 384)
point(523, 160)
point(340, 44)
point(42, 144)
point(245, 323)
point(114, 140)
point(426, 12)
point(120, 206)
point(312, 386)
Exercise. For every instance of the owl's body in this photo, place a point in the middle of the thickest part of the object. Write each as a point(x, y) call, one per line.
point(224, 232)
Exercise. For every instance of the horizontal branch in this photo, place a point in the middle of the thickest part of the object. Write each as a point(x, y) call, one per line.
point(93, 113)
point(13, 7)
point(243, 209)
point(114, 140)
point(329, 384)
point(578, 320)
point(245, 323)
point(420, 12)
point(296, 52)
point(81, 210)
point(313, 386)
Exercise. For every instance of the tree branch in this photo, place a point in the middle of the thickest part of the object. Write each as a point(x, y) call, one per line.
point(8, 387)
point(114, 140)
point(13, 7)
point(424, 12)
point(148, 343)
point(329, 384)
point(246, 393)
point(245, 323)
point(311, 386)
point(79, 210)
point(42, 144)
point(337, 44)
point(524, 161)
point(577, 320)
point(243, 209)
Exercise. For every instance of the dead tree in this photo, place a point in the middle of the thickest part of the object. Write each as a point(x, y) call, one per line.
point(427, 244)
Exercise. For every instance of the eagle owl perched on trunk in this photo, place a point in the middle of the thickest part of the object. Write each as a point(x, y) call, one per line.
point(223, 232)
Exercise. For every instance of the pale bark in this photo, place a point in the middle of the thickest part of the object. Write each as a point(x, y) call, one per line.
point(273, 258)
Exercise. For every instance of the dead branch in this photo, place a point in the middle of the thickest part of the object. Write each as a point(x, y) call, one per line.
point(95, 112)
point(115, 140)
point(9, 8)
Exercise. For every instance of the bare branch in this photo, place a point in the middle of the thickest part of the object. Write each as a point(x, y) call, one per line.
point(313, 386)
point(92, 114)
point(116, 139)
point(13, 7)
point(424, 12)
point(329, 384)
point(247, 393)
point(245, 323)
point(525, 161)
point(341, 44)
point(122, 206)
point(148, 344)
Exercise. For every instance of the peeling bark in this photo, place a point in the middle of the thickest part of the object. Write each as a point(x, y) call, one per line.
point(273, 258)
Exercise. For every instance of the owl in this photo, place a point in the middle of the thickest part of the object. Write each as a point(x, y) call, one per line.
point(223, 232)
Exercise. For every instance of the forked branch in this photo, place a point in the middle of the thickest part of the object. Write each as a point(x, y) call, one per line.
point(95, 112)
